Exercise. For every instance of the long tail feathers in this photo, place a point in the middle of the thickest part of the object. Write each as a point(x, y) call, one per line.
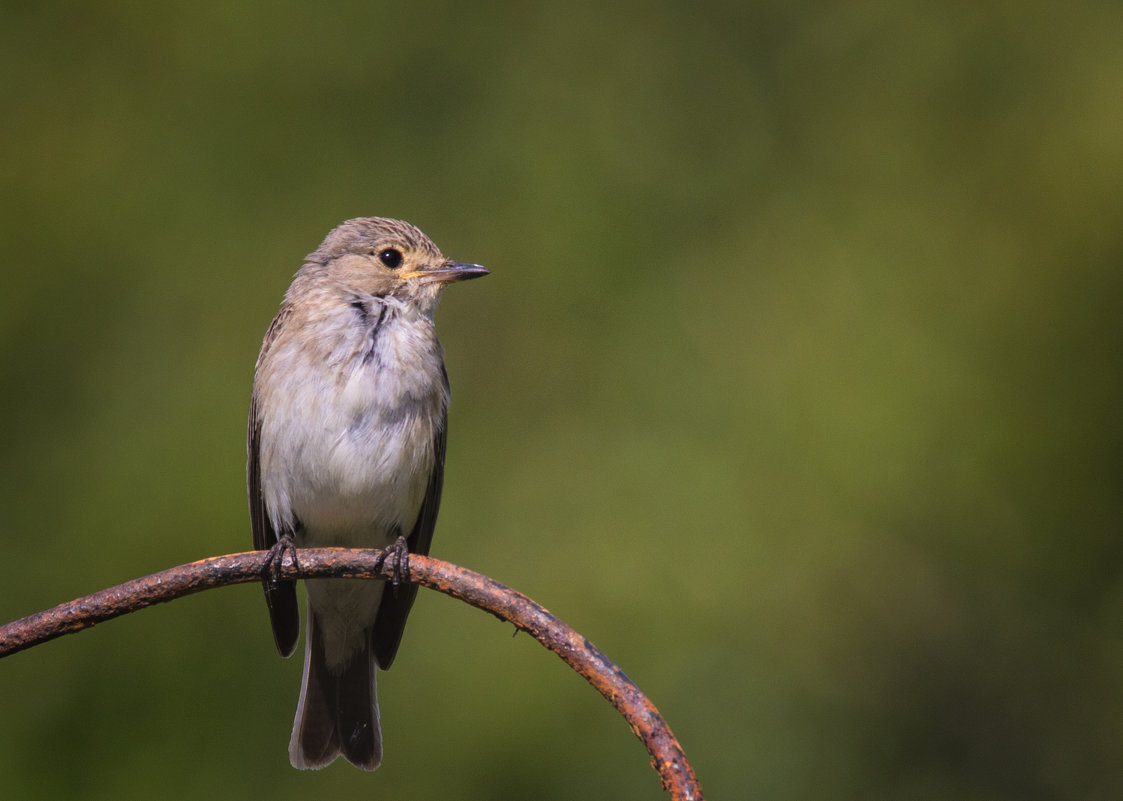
point(338, 710)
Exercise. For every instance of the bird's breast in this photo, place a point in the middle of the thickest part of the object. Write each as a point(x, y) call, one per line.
point(353, 433)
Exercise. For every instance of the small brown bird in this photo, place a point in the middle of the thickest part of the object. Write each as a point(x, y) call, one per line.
point(347, 433)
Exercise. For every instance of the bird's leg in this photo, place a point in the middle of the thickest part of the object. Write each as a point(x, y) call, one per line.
point(276, 557)
point(399, 552)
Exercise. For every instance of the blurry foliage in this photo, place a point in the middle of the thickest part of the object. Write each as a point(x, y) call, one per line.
point(801, 343)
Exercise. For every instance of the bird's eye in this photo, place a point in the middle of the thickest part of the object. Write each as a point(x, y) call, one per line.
point(391, 257)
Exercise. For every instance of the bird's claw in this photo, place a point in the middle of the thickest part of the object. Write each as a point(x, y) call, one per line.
point(398, 551)
point(275, 560)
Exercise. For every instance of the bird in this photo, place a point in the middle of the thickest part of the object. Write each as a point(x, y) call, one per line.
point(346, 447)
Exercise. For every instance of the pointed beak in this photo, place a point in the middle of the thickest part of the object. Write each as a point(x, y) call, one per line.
point(448, 272)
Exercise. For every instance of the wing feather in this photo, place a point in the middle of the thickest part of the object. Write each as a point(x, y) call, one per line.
point(397, 601)
point(280, 596)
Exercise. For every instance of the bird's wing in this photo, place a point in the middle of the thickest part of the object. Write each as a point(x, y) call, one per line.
point(280, 596)
point(396, 601)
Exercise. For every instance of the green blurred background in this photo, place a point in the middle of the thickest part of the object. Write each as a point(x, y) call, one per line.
point(795, 387)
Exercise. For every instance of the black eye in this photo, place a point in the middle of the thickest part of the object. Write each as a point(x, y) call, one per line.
point(391, 257)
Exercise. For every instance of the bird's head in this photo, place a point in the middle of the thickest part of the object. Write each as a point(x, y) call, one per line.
point(388, 258)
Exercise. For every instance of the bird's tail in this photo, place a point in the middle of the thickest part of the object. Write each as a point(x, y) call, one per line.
point(338, 709)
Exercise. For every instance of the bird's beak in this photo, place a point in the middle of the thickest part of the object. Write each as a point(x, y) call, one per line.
point(448, 272)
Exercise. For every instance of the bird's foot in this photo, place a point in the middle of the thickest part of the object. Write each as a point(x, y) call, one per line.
point(276, 558)
point(399, 553)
